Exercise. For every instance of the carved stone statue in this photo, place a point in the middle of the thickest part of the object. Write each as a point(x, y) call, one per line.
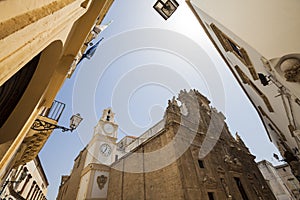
point(237, 162)
point(226, 188)
point(291, 69)
point(256, 192)
point(228, 159)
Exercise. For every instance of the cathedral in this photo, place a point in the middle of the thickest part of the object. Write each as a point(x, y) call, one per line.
point(189, 154)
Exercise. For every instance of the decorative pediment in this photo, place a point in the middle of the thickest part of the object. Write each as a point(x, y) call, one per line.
point(101, 181)
point(209, 182)
point(233, 163)
point(237, 162)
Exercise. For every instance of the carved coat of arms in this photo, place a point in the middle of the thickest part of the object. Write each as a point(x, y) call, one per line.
point(101, 181)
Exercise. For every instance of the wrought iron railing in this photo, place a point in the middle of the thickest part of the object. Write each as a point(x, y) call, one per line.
point(55, 111)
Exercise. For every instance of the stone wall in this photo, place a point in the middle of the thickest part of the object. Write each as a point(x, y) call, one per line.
point(70, 184)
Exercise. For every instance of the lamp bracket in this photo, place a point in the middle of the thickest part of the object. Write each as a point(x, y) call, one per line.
point(40, 125)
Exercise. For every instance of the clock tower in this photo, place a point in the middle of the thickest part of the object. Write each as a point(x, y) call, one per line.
point(106, 125)
point(102, 147)
point(101, 153)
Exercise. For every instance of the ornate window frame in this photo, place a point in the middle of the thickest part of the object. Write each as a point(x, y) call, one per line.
point(273, 125)
point(231, 46)
point(246, 80)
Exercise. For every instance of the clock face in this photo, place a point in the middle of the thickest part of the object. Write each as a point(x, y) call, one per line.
point(108, 128)
point(105, 149)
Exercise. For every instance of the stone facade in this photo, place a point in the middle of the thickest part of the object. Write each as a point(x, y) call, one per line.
point(28, 181)
point(264, 57)
point(281, 180)
point(69, 184)
point(190, 154)
point(227, 171)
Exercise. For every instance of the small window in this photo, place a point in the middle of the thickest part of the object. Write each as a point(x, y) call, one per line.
point(211, 196)
point(271, 127)
point(241, 188)
point(255, 175)
point(231, 46)
point(279, 133)
point(284, 169)
point(235, 48)
point(200, 163)
point(116, 157)
point(246, 80)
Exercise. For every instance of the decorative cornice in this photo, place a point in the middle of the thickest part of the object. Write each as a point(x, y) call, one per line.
point(95, 166)
point(12, 25)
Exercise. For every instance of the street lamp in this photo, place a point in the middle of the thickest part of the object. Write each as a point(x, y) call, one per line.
point(166, 7)
point(41, 125)
point(75, 121)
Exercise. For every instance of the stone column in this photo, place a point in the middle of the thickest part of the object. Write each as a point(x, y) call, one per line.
point(36, 190)
point(40, 195)
point(31, 188)
point(25, 184)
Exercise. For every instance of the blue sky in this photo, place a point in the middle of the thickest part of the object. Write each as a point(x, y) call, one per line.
point(142, 62)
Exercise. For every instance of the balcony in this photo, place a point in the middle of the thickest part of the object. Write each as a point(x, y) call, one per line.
point(39, 133)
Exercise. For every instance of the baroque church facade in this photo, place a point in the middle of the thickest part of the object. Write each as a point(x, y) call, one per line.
point(189, 154)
